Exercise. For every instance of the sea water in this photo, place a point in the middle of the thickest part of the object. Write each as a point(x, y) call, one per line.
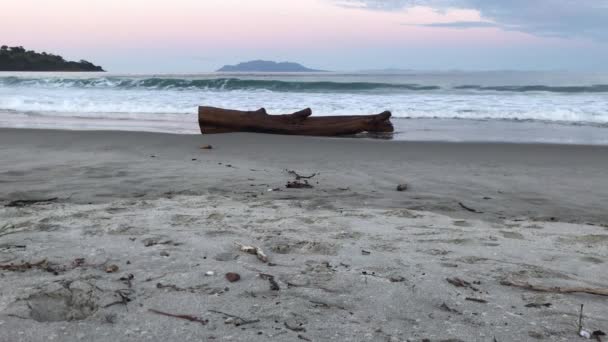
point(499, 106)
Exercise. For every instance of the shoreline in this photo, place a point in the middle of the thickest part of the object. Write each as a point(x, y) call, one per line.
point(522, 179)
point(147, 222)
point(438, 130)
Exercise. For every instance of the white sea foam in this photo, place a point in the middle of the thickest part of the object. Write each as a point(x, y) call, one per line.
point(170, 103)
point(141, 104)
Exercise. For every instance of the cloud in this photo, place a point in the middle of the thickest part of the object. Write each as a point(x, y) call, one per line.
point(555, 18)
point(460, 24)
point(387, 5)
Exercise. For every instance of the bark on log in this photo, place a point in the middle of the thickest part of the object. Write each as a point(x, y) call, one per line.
point(378, 126)
point(212, 129)
point(218, 120)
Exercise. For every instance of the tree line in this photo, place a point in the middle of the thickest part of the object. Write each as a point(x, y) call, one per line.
point(17, 58)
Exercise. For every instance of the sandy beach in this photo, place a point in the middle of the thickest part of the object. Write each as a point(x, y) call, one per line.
point(141, 225)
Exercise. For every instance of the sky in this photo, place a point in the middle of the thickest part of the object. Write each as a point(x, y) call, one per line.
point(189, 36)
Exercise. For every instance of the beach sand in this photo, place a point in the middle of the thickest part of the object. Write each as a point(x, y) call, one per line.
point(148, 221)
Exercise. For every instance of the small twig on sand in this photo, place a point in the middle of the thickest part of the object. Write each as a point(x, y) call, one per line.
point(299, 176)
point(446, 308)
point(298, 185)
point(598, 335)
point(203, 288)
point(43, 264)
point(4, 230)
point(23, 203)
point(582, 332)
point(325, 305)
point(580, 319)
point(128, 279)
point(538, 305)
point(257, 251)
point(124, 296)
point(556, 289)
point(478, 300)
point(274, 286)
point(469, 208)
point(186, 317)
point(461, 283)
point(240, 320)
point(13, 246)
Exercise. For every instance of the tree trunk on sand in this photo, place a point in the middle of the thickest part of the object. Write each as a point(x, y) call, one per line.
point(217, 120)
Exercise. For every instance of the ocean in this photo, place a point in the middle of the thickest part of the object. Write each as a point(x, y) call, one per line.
point(499, 106)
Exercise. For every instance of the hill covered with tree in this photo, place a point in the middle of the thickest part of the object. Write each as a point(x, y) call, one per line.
point(17, 58)
point(266, 66)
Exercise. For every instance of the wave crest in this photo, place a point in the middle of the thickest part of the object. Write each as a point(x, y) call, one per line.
point(218, 84)
point(228, 84)
point(596, 88)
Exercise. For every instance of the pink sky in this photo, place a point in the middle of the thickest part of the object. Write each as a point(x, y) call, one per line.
point(216, 32)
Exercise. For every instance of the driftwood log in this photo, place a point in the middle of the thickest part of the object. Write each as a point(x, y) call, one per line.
point(217, 120)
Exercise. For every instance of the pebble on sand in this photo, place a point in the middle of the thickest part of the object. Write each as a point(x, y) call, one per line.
point(233, 277)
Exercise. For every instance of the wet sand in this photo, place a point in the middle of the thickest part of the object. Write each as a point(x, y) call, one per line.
point(354, 258)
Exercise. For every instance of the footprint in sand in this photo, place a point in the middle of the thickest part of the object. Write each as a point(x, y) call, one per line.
point(471, 259)
point(462, 223)
point(435, 251)
point(347, 235)
point(592, 260)
point(289, 246)
point(403, 213)
point(534, 226)
point(589, 240)
point(512, 235)
point(184, 220)
point(68, 301)
point(215, 216)
point(450, 241)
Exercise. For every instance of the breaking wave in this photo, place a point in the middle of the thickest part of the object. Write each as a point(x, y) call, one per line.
point(597, 88)
point(218, 84)
point(228, 84)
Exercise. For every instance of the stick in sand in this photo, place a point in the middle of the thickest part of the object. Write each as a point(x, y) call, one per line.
point(186, 317)
point(556, 289)
point(257, 251)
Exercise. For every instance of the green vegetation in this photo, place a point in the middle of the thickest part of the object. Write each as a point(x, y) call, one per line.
point(16, 58)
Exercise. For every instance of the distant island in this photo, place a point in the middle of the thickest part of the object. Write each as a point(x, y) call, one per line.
point(16, 58)
point(266, 66)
